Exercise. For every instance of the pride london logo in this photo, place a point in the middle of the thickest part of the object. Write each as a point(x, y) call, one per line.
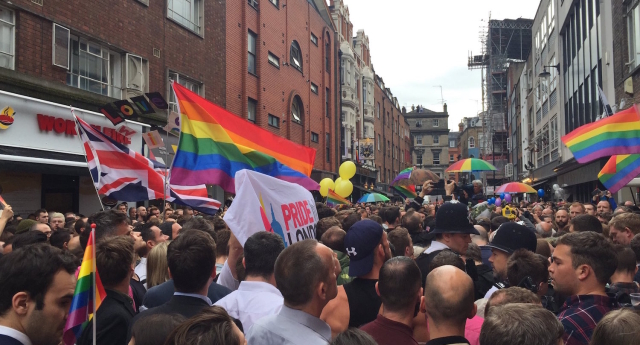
point(6, 117)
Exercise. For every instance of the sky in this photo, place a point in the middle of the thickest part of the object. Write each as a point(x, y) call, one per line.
point(419, 45)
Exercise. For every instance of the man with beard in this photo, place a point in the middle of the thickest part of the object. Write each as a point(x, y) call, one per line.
point(562, 220)
point(36, 290)
point(357, 302)
point(152, 236)
point(452, 231)
point(508, 238)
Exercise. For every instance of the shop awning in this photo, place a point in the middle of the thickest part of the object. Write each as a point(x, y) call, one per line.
point(539, 182)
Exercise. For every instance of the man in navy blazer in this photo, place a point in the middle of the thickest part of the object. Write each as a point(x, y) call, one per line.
point(191, 258)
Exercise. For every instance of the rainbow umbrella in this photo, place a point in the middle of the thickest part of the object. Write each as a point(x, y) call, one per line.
point(515, 187)
point(469, 165)
point(373, 197)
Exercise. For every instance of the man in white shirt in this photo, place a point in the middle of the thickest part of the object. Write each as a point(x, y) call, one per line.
point(257, 295)
point(151, 235)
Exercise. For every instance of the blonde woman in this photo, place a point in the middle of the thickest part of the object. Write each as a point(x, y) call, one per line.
point(157, 266)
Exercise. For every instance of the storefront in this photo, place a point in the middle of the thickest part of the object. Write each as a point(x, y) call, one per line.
point(42, 162)
point(580, 180)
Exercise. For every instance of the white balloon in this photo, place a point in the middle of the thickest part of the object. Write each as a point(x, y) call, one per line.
point(556, 187)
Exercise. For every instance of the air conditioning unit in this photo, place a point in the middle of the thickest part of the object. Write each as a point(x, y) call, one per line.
point(508, 170)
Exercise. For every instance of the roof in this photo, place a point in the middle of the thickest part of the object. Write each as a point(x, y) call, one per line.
point(454, 135)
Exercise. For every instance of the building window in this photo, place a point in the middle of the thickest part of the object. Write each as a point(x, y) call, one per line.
point(274, 60)
point(253, 3)
point(436, 123)
point(327, 143)
point(314, 88)
point(327, 54)
point(95, 68)
point(436, 158)
point(296, 56)
point(297, 110)
point(274, 121)
point(472, 143)
point(192, 85)
point(419, 139)
point(419, 160)
point(251, 48)
point(451, 158)
point(8, 38)
point(275, 3)
point(452, 143)
point(188, 13)
point(436, 139)
point(61, 43)
point(378, 110)
point(314, 137)
point(379, 142)
point(633, 36)
point(314, 39)
point(364, 92)
point(252, 104)
point(419, 123)
point(327, 98)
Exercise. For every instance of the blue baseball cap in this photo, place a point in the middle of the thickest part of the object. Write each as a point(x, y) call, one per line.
point(360, 243)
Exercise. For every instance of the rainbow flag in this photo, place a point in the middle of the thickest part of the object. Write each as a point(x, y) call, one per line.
point(404, 174)
point(334, 199)
point(84, 296)
point(407, 191)
point(617, 134)
point(215, 144)
point(619, 170)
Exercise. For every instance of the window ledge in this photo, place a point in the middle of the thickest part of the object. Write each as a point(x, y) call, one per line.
point(270, 125)
point(274, 65)
point(274, 5)
point(299, 123)
point(253, 74)
point(184, 27)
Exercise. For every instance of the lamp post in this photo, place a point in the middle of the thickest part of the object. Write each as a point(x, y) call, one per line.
point(545, 74)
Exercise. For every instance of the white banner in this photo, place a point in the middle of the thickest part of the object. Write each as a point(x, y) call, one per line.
point(266, 203)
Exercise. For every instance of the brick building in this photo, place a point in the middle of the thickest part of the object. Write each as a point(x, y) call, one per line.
point(454, 153)
point(626, 47)
point(280, 72)
point(53, 58)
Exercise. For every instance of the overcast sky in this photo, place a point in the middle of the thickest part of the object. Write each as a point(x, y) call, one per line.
point(418, 44)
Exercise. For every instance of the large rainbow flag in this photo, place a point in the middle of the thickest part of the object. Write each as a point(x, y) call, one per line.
point(619, 170)
point(617, 134)
point(85, 295)
point(215, 144)
point(334, 199)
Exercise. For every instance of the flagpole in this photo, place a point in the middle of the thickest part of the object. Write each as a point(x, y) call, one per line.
point(85, 156)
point(95, 287)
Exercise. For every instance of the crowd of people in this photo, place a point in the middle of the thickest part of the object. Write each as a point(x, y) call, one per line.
point(389, 273)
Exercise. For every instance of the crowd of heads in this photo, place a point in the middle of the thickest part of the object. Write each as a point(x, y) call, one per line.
point(513, 275)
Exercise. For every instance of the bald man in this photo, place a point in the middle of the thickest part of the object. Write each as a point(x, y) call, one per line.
point(448, 303)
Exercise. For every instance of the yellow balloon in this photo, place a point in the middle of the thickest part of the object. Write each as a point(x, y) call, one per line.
point(347, 170)
point(338, 180)
point(344, 188)
point(326, 184)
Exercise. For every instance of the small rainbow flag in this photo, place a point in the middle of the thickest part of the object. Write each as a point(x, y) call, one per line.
point(334, 199)
point(617, 134)
point(215, 144)
point(4, 203)
point(404, 174)
point(85, 295)
point(619, 170)
point(407, 191)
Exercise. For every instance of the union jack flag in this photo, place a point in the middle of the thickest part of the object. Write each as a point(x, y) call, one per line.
point(126, 175)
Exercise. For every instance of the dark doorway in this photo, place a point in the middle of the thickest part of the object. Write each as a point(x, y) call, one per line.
point(60, 193)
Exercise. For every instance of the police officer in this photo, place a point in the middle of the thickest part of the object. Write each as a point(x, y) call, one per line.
point(452, 231)
point(508, 238)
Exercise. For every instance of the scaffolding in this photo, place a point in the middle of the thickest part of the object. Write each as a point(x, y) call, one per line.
point(502, 42)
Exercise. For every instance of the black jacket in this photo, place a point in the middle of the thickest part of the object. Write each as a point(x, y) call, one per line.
point(114, 320)
point(161, 294)
point(484, 282)
point(186, 306)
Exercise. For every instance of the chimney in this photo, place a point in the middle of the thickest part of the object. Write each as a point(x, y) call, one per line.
point(445, 107)
point(404, 110)
point(460, 127)
point(413, 108)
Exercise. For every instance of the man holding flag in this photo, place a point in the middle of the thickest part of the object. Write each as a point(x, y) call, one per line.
point(36, 288)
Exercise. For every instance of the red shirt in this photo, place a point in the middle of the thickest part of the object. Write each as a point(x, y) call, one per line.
point(388, 332)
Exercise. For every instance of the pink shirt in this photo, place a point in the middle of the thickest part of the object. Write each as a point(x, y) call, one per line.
point(472, 330)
